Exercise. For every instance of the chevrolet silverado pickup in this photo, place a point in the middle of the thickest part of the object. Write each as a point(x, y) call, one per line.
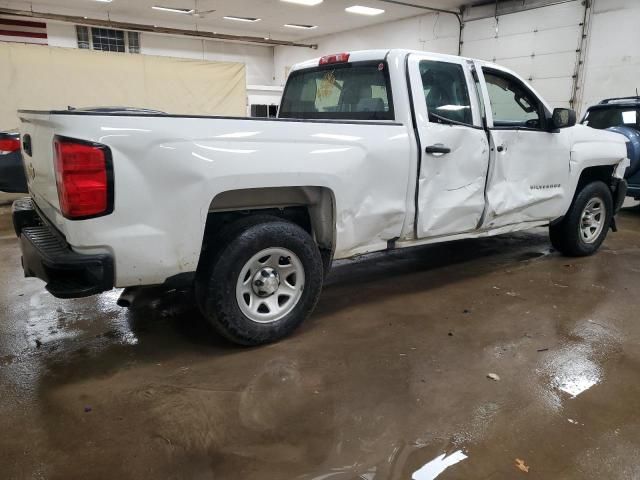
point(373, 150)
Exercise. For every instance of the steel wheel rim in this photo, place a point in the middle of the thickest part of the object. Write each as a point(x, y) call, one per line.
point(592, 220)
point(270, 285)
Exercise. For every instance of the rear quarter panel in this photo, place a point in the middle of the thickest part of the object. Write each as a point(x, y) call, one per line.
point(168, 170)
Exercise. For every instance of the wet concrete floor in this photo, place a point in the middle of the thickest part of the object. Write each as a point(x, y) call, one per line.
point(387, 377)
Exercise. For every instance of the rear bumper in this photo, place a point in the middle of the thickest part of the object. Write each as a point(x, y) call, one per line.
point(47, 256)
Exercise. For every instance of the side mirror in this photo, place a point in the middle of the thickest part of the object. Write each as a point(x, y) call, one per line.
point(563, 118)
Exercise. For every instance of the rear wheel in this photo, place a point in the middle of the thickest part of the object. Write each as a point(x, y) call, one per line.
point(586, 224)
point(263, 279)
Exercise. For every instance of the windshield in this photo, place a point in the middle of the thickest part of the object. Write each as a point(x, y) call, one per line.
point(602, 118)
point(349, 91)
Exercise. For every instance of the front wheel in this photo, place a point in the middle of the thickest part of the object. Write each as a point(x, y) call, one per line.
point(586, 224)
point(262, 281)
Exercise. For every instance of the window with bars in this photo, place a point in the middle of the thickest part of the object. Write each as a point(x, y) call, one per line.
point(133, 42)
point(83, 37)
point(107, 39)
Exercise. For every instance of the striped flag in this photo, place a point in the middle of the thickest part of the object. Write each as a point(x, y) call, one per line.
point(23, 31)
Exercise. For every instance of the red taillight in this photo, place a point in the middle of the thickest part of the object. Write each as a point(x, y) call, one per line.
point(9, 145)
point(335, 58)
point(84, 180)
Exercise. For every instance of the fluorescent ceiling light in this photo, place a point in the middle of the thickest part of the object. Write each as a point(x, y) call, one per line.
point(184, 11)
point(242, 19)
point(303, 27)
point(104, 1)
point(309, 3)
point(360, 10)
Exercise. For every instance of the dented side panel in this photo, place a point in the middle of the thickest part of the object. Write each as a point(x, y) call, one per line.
point(450, 191)
point(529, 176)
point(591, 147)
point(167, 173)
point(451, 187)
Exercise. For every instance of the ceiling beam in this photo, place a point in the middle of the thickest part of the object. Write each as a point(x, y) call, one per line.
point(139, 27)
point(422, 7)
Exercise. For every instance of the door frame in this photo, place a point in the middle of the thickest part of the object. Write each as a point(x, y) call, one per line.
point(420, 116)
point(543, 109)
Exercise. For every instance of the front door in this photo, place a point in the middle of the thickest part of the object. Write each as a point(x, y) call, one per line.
point(452, 172)
point(529, 174)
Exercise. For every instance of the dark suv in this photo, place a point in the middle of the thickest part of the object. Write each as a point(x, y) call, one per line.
point(12, 175)
point(621, 115)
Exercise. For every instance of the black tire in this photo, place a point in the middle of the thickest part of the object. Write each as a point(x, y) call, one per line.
point(566, 235)
point(231, 250)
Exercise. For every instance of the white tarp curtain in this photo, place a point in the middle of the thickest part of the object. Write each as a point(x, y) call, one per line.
point(38, 77)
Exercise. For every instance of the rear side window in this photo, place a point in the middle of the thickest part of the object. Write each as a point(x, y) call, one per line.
point(445, 91)
point(350, 91)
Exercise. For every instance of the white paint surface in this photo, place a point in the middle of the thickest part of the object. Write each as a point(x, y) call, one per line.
point(438, 465)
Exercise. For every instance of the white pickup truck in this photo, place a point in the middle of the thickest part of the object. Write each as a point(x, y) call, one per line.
point(372, 150)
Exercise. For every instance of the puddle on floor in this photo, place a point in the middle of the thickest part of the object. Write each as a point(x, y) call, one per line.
point(435, 467)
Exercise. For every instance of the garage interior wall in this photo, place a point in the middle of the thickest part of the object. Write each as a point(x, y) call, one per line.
point(540, 44)
point(612, 62)
point(257, 59)
point(40, 77)
point(432, 32)
point(536, 38)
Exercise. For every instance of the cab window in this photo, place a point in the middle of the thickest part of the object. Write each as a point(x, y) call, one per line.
point(350, 91)
point(445, 91)
point(512, 105)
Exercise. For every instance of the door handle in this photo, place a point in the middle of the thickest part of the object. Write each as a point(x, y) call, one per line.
point(438, 148)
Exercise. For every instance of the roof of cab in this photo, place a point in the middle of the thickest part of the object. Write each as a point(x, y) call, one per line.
point(356, 56)
point(381, 54)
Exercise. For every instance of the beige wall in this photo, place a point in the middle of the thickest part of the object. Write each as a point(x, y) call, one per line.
point(8, 198)
point(37, 77)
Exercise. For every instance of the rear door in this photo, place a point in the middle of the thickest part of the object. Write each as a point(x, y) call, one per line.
point(528, 179)
point(453, 143)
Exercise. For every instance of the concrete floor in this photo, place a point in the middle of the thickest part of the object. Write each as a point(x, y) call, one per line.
point(389, 374)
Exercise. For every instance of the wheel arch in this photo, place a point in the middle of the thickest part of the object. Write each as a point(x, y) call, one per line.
point(603, 173)
point(311, 207)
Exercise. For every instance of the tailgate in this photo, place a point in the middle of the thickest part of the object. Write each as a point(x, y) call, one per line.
point(37, 132)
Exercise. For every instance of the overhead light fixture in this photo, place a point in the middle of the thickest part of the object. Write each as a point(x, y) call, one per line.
point(308, 3)
point(242, 19)
point(104, 1)
point(302, 27)
point(183, 11)
point(360, 10)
